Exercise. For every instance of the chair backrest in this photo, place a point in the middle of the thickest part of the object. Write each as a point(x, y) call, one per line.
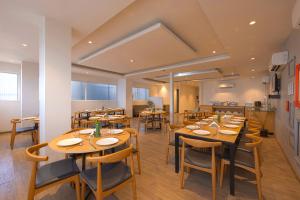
point(32, 154)
point(111, 158)
point(200, 144)
point(255, 144)
point(188, 122)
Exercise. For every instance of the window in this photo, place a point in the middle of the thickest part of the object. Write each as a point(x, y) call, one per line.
point(93, 91)
point(8, 87)
point(140, 93)
point(78, 90)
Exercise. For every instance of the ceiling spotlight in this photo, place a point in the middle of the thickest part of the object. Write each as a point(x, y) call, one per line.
point(252, 23)
point(214, 52)
point(24, 45)
point(87, 72)
point(131, 60)
point(252, 58)
point(90, 42)
point(252, 70)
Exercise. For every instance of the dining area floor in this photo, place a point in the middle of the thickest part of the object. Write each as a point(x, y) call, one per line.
point(158, 180)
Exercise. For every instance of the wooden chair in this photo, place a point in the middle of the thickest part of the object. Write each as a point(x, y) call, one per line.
point(52, 174)
point(110, 175)
point(33, 130)
point(144, 119)
point(248, 160)
point(188, 122)
point(171, 140)
point(202, 161)
point(136, 150)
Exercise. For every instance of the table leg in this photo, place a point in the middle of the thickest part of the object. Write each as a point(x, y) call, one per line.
point(176, 153)
point(232, 148)
point(83, 162)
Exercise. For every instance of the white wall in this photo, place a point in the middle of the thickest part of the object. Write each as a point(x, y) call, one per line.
point(187, 95)
point(245, 90)
point(10, 109)
point(30, 89)
point(286, 135)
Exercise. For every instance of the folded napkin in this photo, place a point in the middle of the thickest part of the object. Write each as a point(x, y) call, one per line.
point(215, 125)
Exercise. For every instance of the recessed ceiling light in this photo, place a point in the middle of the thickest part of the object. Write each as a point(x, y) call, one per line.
point(252, 70)
point(87, 72)
point(131, 60)
point(214, 52)
point(252, 23)
point(252, 58)
point(24, 45)
point(90, 42)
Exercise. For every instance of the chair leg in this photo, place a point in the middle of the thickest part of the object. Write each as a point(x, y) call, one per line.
point(182, 177)
point(12, 140)
point(167, 155)
point(77, 187)
point(133, 184)
point(222, 173)
point(214, 184)
point(258, 185)
point(83, 187)
point(139, 161)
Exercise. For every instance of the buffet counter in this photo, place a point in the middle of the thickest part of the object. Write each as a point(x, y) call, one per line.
point(265, 116)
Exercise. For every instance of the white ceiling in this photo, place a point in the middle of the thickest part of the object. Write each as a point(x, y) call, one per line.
point(203, 25)
point(19, 21)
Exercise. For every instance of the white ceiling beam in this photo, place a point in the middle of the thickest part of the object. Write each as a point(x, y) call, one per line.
point(181, 64)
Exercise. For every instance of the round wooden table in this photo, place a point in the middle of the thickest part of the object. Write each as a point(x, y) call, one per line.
point(85, 147)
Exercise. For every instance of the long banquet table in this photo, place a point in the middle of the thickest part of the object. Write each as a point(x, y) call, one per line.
point(229, 140)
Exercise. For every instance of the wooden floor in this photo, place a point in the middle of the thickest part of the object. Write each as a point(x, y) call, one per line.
point(158, 180)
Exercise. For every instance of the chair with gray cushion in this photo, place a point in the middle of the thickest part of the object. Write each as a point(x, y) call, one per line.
point(33, 130)
point(110, 175)
point(52, 174)
point(248, 159)
point(200, 160)
point(171, 138)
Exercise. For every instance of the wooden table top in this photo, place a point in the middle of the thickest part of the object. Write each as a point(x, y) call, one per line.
point(153, 112)
point(215, 135)
point(86, 147)
point(107, 118)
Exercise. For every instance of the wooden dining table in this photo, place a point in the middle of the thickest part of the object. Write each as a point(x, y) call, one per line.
point(153, 115)
point(231, 141)
point(87, 146)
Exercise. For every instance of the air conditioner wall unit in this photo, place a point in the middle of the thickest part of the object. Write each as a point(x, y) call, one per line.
point(296, 15)
point(278, 59)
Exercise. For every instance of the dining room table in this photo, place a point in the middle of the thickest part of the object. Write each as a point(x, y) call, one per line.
point(228, 133)
point(154, 116)
point(86, 143)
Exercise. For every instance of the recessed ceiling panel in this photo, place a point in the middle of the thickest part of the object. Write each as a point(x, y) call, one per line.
point(154, 46)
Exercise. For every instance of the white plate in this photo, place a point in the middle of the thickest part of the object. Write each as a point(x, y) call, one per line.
point(228, 132)
point(107, 141)
point(115, 131)
point(231, 126)
point(201, 132)
point(68, 142)
point(192, 127)
point(235, 122)
point(201, 123)
point(87, 131)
